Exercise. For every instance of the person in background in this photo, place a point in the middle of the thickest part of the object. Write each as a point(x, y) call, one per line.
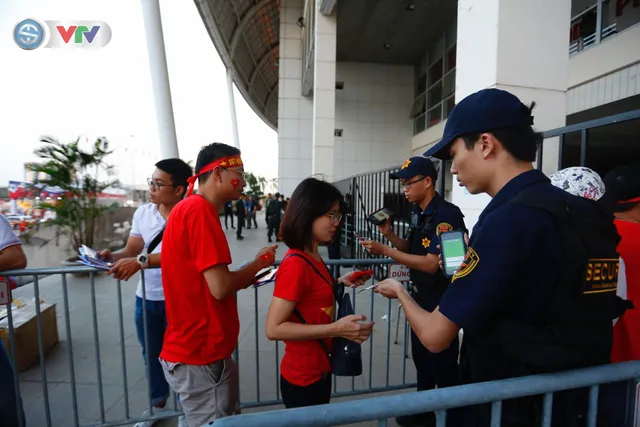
point(579, 181)
point(267, 200)
point(241, 213)
point(251, 212)
point(167, 187)
point(431, 215)
point(202, 314)
point(302, 308)
point(11, 257)
point(623, 199)
point(228, 213)
point(274, 212)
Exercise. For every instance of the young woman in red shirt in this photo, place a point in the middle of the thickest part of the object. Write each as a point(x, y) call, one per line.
point(302, 309)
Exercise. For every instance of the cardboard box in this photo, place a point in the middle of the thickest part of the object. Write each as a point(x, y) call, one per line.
point(25, 330)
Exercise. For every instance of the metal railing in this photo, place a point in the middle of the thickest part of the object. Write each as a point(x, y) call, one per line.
point(441, 400)
point(584, 128)
point(385, 366)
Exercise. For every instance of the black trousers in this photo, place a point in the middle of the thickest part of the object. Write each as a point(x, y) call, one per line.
point(433, 369)
point(436, 369)
point(274, 227)
point(228, 214)
point(240, 226)
point(318, 393)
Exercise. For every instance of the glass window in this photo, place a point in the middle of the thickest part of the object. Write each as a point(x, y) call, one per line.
point(435, 72)
point(434, 116)
point(435, 95)
point(419, 124)
point(449, 103)
point(435, 80)
point(418, 106)
point(420, 75)
point(450, 59)
point(449, 84)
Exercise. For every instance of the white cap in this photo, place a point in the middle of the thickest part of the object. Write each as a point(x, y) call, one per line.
point(579, 181)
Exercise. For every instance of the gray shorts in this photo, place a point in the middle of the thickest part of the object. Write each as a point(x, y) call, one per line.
point(206, 392)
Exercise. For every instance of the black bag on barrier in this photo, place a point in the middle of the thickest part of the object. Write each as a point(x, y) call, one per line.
point(346, 358)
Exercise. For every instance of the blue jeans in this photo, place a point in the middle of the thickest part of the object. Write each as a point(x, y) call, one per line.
point(156, 325)
point(10, 410)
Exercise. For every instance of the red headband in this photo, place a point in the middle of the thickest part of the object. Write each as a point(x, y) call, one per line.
point(634, 200)
point(225, 162)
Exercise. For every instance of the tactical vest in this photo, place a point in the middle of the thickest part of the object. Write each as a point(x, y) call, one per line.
point(579, 330)
point(420, 233)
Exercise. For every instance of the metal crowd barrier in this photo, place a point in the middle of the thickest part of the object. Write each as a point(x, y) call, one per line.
point(440, 400)
point(256, 363)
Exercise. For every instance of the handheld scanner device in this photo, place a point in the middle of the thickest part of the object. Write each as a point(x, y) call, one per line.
point(452, 250)
point(380, 216)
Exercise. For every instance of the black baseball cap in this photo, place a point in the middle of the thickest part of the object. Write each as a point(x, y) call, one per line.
point(483, 111)
point(415, 166)
point(623, 185)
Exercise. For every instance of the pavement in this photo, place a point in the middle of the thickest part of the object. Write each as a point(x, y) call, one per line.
point(117, 397)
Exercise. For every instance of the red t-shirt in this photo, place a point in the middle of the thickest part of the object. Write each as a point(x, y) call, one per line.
point(200, 329)
point(304, 362)
point(626, 332)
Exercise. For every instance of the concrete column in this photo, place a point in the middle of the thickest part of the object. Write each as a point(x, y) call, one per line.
point(324, 94)
point(232, 109)
point(521, 46)
point(295, 111)
point(160, 78)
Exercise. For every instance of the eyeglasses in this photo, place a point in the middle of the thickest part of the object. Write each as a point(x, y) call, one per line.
point(334, 216)
point(408, 185)
point(241, 173)
point(156, 185)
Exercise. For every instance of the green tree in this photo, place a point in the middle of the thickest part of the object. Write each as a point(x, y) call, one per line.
point(81, 175)
point(256, 184)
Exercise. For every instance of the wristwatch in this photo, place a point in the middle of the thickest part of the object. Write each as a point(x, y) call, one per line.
point(143, 260)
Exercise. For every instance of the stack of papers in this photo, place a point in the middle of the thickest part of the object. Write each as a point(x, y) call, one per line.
point(90, 258)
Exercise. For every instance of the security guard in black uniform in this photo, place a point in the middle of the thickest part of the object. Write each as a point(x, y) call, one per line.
point(536, 292)
point(430, 216)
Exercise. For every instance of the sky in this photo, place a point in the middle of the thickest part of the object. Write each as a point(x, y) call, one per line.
point(107, 92)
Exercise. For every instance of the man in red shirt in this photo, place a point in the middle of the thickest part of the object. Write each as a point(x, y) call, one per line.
point(200, 291)
point(623, 189)
point(623, 196)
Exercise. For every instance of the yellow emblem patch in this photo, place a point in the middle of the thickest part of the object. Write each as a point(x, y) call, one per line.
point(443, 227)
point(470, 262)
point(426, 242)
point(406, 164)
point(328, 311)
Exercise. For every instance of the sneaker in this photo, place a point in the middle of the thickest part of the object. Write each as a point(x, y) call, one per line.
point(146, 414)
point(182, 421)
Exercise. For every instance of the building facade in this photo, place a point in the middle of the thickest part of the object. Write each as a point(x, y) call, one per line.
point(358, 86)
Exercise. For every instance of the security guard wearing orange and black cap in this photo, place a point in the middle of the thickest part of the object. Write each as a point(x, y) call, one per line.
point(430, 216)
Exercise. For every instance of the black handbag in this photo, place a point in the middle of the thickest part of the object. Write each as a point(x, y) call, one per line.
point(346, 357)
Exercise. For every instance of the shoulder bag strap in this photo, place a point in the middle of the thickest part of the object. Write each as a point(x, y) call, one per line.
point(156, 241)
point(297, 312)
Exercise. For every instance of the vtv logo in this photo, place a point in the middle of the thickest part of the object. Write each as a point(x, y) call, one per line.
point(78, 32)
point(29, 34)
